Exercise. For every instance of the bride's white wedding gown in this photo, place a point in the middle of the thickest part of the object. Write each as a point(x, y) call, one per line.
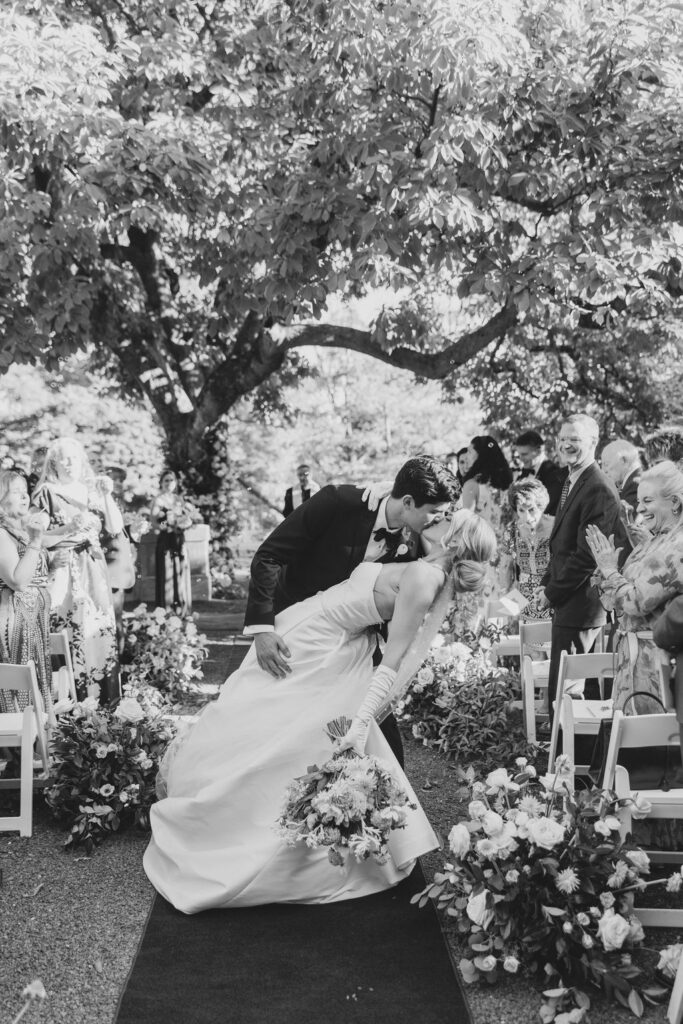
point(214, 842)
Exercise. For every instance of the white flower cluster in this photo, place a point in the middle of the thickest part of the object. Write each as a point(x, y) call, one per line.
point(357, 808)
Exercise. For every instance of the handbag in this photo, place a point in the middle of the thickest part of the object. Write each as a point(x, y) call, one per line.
point(647, 767)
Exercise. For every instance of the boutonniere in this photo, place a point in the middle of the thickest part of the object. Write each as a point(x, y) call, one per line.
point(402, 549)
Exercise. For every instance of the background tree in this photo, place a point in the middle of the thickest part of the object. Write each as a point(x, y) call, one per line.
point(185, 185)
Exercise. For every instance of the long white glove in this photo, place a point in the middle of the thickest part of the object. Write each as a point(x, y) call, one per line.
point(382, 681)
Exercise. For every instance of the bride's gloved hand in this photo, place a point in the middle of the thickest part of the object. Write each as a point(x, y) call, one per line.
point(383, 680)
point(374, 492)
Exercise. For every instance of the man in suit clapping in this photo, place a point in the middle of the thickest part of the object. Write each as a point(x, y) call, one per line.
point(588, 496)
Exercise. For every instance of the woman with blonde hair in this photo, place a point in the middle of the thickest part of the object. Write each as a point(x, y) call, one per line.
point(638, 592)
point(213, 842)
point(79, 508)
point(24, 596)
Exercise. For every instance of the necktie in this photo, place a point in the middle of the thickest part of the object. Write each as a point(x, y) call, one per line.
point(565, 491)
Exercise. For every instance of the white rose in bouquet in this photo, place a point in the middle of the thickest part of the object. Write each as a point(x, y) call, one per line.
point(613, 930)
point(459, 840)
point(129, 710)
point(545, 832)
point(477, 912)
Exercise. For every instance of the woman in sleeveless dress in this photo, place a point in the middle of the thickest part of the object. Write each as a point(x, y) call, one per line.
point(214, 843)
point(24, 597)
point(79, 509)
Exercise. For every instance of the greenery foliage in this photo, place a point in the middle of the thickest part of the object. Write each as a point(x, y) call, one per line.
point(185, 186)
point(460, 702)
point(104, 765)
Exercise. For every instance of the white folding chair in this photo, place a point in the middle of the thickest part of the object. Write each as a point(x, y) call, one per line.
point(64, 680)
point(674, 1014)
point(23, 729)
point(534, 651)
point(578, 716)
point(646, 731)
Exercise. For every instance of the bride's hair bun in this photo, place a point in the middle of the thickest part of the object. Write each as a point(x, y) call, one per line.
point(468, 575)
point(470, 537)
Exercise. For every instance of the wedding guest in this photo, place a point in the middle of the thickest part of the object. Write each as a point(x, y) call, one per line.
point(24, 595)
point(171, 516)
point(620, 461)
point(119, 554)
point(664, 445)
point(531, 528)
point(487, 480)
point(79, 509)
point(638, 592)
point(301, 491)
point(588, 497)
point(530, 449)
point(38, 456)
point(667, 633)
point(462, 462)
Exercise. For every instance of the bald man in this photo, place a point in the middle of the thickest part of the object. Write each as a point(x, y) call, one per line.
point(620, 461)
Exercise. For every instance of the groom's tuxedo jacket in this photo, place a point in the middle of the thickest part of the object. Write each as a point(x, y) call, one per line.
point(319, 544)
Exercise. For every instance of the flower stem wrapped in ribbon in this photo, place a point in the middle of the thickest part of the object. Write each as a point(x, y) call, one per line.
point(350, 803)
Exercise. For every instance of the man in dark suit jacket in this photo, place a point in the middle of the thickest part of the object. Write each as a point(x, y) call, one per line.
point(668, 634)
point(529, 447)
point(296, 495)
point(325, 538)
point(588, 496)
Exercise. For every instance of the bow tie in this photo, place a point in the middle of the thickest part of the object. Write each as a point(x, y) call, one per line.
point(392, 538)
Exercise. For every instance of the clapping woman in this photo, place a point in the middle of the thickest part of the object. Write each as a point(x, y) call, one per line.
point(24, 596)
point(639, 591)
point(79, 507)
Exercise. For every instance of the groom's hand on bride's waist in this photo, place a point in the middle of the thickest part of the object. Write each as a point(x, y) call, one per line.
point(272, 654)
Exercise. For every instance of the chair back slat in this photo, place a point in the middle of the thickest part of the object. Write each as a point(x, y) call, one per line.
point(15, 677)
point(535, 632)
point(585, 666)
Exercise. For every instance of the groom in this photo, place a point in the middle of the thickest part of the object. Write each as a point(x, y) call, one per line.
point(323, 540)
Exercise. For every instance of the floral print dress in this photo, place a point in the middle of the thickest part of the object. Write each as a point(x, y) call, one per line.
point(81, 594)
point(649, 578)
point(25, 630)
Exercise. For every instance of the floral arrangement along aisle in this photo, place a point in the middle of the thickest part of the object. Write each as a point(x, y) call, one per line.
point(460, 701)
point(540, 880)
point(162, 649)
point(104, 764)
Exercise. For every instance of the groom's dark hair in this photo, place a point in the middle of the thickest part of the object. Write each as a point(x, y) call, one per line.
point(427, 480)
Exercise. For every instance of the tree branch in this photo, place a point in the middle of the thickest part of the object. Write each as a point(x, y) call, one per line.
point(433, 365)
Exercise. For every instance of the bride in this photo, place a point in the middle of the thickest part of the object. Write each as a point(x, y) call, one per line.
point(214, 843)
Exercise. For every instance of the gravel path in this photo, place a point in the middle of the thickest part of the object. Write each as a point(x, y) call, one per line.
point(75, 922)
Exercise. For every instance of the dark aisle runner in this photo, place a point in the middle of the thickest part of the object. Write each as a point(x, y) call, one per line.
point(378, 959)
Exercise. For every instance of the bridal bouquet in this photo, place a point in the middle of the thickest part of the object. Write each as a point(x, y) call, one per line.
point(351, 802)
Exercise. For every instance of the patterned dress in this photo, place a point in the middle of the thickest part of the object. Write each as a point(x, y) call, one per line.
point(531, 561)
point(649, 578)
point(81, 595)
point(25, 629)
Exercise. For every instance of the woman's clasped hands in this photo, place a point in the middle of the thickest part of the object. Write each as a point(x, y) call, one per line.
point(603, 550)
